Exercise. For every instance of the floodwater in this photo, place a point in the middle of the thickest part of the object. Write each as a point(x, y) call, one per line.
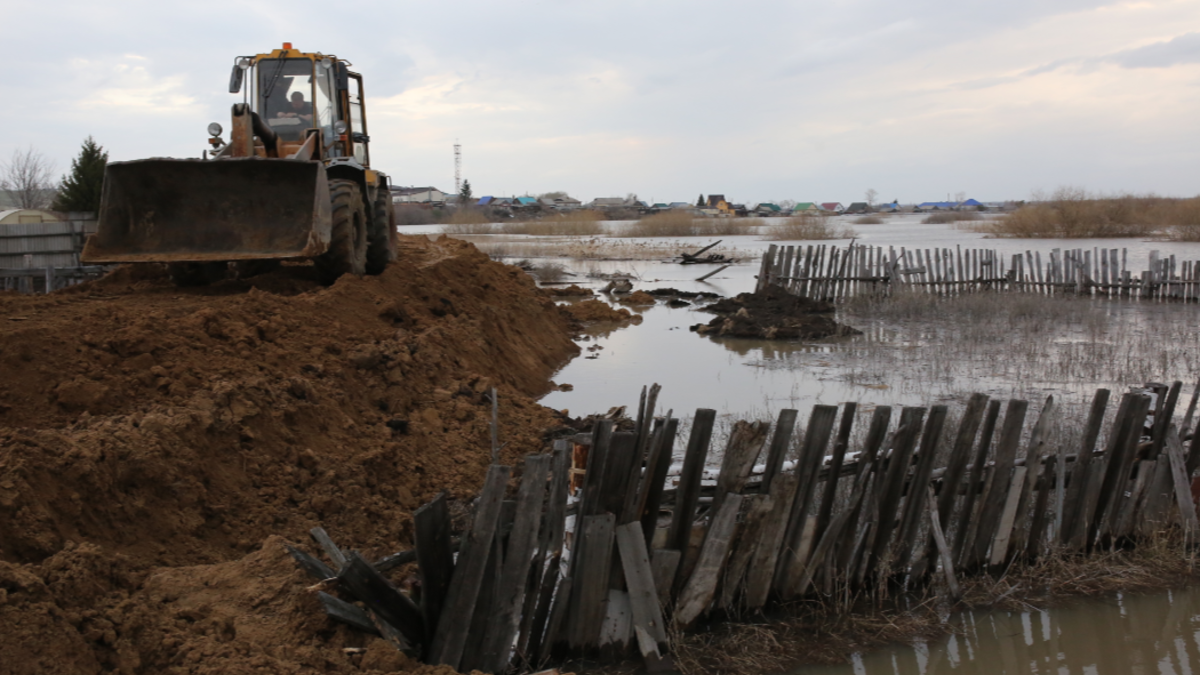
point(1122, 635)
point(893, 363)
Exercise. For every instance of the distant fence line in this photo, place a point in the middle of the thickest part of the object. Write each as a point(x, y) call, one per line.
point(832, 273)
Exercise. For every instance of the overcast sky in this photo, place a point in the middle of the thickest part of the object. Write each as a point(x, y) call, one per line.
point(756, 100)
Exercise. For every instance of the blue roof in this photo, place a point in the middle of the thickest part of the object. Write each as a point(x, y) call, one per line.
point(971, 202)
point(526, 200)
point(485, 200)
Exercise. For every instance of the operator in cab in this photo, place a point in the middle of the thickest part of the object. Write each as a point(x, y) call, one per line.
point(298, 107)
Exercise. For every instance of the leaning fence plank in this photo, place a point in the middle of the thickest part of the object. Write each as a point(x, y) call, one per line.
point(841, 443)
point(892, 487)
point(543, 576)
point(1004, 531)
point(435, 559)
point(687, 493)
point(590, 587)
point(820, 426)
point(766, 554)
point(647, 614)
point(876, 433)
point(1183, 491)
point(993, 504)
point(758, 507)
point(699, 590)
point(450, 638)
point(514, 571)
point(780, 440)
point(939, 539)
point(364, 582)
point(657, 466)
point(910, 545)
point(745, 443)
point(1075, 519)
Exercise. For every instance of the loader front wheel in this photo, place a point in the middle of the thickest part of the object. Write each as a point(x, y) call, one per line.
point(347, 252)
point(381, 242)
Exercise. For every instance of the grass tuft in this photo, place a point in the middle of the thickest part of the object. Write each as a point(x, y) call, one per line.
point(946, 217)
point(568, 224)
point(807, 227)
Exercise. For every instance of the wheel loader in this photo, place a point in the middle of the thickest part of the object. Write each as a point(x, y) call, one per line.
point(293, 182)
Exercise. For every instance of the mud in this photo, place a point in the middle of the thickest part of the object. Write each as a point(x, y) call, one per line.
point(772, 314)
point(572, 291)
point(158, 444)
point(598, 311)
point(639, 298)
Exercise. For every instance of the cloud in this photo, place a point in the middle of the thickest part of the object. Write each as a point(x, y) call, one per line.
point(1179, 50)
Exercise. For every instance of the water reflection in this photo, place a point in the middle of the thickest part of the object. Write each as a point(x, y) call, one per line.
point(1158, 633)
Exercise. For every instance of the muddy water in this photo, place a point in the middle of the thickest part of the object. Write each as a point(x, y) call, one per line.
point(1158, 633)
point(890, 364)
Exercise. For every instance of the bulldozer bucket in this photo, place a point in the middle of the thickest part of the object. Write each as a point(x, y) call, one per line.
point(190, 210)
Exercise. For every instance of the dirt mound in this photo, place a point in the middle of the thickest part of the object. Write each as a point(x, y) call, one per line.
point(589, 311)
point(637, 298)
point(572, 291)
point(145, 427)
point(772, 314)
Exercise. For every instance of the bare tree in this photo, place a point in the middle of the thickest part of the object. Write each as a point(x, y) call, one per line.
point(27, 177)
point(872, 195)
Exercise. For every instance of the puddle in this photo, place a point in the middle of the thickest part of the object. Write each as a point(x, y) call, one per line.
point(1155, 633)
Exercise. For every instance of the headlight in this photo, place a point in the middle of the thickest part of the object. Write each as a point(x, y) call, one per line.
point(339, 127)
point(214, 129)
point(243, 63)
point(326, 63)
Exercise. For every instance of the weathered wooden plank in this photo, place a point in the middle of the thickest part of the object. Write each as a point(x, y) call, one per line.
point(780, 440)
point(366, 584)
point(1164, 413)
point(664, 567)
point(763, 563)
point(616, 630)
point(314, 567)
point(876, 434)
point(1159, 496)
point(1075, 519)
point(643, 598)
point(1183, 486)
point(939, 540)
point(1041, 516)
point(1120, 466)
point(656, 470)
point(435, 560)
point(505, 620)
point(998, 486)
point(700, 588)
point(1033, 462)
point(331, 549)
point(909, 544)
point(892, 487)
point(632, 509)
point(820, 427)
point(960, 456)
point(1004, 531)
point(745, 544)
point(480, 622)
point(622, 454)
point(541, 645)
point(840, 444)
point(745, 443)
point(451, 635)
point(687, 493)
point(350, 614)
point(590, 587)
point(550, 543)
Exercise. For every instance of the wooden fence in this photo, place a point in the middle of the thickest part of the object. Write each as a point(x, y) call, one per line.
point(644, 545)
point(43, 257)
point(827, 272)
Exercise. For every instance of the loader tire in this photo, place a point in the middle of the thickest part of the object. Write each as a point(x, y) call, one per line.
point(197, 273)
point(347, 252)
point(381, 241)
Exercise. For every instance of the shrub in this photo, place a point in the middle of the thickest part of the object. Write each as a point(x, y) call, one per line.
point(572, 223)
point(1073, 213)
point(411, 214)
point(945, 217)
point(807, 226)
point(467, 221)
point(868, 220)
point(665, 224)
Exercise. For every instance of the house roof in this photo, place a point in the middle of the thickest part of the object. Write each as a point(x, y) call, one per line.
point(525, 200)
point(806, 206)
point(831, 206)
point(413, 190)
point(768, 206)
point(483, 201)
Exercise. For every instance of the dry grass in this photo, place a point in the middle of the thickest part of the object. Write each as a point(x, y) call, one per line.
point(946, 217)
point(807, 227)
point(596, 248)
point(411, 214)
point(682, 224)
point(1074, 213)
point(868, 220)
point(569, 224)
point(467, 221)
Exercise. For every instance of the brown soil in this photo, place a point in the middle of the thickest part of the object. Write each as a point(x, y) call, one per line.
point(637, 298)
point(572, 291)
point(773, 314)
point(597, 311)
point(156, 443)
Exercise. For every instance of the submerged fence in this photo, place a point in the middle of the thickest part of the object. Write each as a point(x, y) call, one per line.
point(827, 272)
point(646, 544)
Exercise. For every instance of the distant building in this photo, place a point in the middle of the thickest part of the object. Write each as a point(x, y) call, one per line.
point(418, 195)
point(807, 207)
point(767, 209)
point(714, 201)
point(833, 207)
point(858, 207)
point(561, 203)
point(27, 216)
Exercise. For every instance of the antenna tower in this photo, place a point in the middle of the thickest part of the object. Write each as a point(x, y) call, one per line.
point(457, 168)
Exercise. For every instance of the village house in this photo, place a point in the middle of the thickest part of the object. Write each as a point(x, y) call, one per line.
point(418, 195)
point(833, 207)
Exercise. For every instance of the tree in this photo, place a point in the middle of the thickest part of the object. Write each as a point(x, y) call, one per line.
point(556, 194)
point(464, 194)
point(80, 190)
point(700, 201)
point(26, 177)
point(872, 195)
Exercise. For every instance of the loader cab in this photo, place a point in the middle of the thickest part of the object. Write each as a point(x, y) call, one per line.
point(293, 92)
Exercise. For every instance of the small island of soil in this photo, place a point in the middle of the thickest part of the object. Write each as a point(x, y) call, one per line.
point(772, 314)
